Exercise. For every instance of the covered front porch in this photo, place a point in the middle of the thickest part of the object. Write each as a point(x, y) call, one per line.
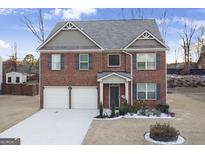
point(113, 87)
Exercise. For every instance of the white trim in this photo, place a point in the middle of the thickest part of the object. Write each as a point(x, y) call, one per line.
point(68, 29)
point(146, 49)
point(146, 91)
point(131, 72)
point(127, 79)
point(101, 93)
point(51, 36)
point(52, 69)
point(100, 50)
point(146, 69)
point(69, 26)
point(83, 62)
point(108, 65)
point(114, 85)
point(72, 51)
point(165, 77)
point(146, 31)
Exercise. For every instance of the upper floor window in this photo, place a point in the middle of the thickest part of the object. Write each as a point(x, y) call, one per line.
point(56, 62)
point(146, 61)
point(114, 60)
point(9, 79)
point(83, 61)
point(17, 79)
point(146, 91)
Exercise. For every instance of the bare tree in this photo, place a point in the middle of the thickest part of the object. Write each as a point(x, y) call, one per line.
point(200, 41)
point(164, 24)
point(135, 13)
point(187, 35)
point(36, 28)
point(13, 57)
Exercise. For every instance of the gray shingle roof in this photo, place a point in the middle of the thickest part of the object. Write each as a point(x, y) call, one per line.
point(114, 34)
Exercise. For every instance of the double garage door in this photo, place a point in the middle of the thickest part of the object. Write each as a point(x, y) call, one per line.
point(81, 97)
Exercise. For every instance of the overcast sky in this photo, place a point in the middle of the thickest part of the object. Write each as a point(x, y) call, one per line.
point(13, 30)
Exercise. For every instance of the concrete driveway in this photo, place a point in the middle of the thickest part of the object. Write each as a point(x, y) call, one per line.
point(53, 127)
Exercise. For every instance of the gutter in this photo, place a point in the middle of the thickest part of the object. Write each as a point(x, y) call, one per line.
point(131, 72)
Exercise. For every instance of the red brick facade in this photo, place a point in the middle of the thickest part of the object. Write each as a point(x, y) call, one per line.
point(70, 76)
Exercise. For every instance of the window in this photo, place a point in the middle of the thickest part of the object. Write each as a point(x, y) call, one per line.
point(114, 60)
point(9, 79)
point(17, 79)
point(83, 61)
point(56, 62)
point(146, 61)
point(146, 91)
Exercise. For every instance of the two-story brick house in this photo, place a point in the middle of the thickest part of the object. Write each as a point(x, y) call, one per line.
point(84, 63)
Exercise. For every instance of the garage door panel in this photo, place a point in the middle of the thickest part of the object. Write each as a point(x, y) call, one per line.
point(84, 97)
point(56, 97)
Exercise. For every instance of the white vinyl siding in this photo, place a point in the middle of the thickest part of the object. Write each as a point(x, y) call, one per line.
point(84, 61)
point(146, 61)
point(56, 62)
point(146, 91)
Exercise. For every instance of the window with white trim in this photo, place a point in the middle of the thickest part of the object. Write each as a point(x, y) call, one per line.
point(83, 61)
point(9, 79)
point(146, 61)
point(56, 62)
point(113, 60)
point(146, 91)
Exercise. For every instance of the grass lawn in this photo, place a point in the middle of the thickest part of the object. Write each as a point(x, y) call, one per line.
point(187, 103)
point(14, 109)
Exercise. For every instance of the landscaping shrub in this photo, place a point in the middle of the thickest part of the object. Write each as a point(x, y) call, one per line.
point(163, 132)
point(164, 108)
point(135, 107)
point(112, 110)
point(101, 110)
point(124, 108)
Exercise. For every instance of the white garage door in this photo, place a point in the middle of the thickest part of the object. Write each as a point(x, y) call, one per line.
point(84, 97)
point(56, 97)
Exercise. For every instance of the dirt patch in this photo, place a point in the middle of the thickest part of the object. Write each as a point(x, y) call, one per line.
point(189, 121)
point(14, 109)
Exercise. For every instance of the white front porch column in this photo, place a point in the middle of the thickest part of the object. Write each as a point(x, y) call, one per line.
point(127, 91)
point(101, 92)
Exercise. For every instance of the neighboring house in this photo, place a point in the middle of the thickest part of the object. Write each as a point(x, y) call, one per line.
point(1, 72)
point(201, 61)
point(16, 78)
point(84, 63)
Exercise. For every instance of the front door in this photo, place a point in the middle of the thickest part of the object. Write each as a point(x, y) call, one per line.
point(114, 95)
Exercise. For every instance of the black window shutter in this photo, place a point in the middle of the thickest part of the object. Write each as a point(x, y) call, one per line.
point(158, 61)
point(158, 91)
point(49, 61)
point(77, 61)
point(90, 61)
point(62, 61)
point(134, 61)
point(135, 91)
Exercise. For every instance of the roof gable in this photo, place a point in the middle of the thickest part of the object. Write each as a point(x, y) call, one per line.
point(61, 39)
point(146, 40)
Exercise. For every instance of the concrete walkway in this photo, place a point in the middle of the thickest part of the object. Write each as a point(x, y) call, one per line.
point(53, 127)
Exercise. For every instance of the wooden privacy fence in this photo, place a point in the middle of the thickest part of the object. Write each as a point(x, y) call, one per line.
point(20, 89)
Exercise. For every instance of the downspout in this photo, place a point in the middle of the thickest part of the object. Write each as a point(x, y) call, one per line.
point(131, 73)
